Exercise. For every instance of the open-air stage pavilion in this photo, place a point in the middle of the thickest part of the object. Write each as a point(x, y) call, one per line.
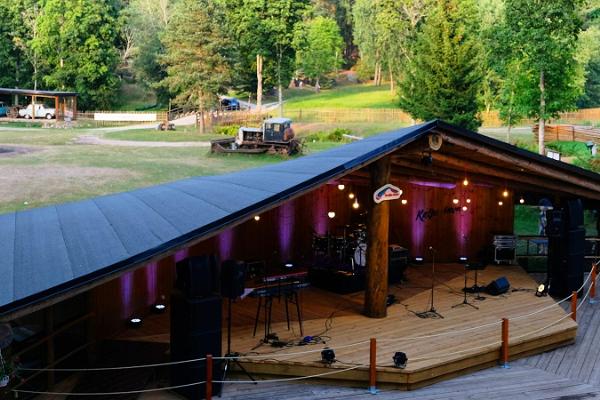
point(321, 256)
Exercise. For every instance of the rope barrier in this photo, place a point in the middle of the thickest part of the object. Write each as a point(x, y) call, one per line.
point(584, 298)
point(543, 328)
point(456, 352)
point(285, 356)
point(297, 378)
point(112, 368)
point(108, 393)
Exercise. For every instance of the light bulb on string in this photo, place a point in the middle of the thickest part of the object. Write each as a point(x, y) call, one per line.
point(505, 193)
point(355, 205)
point(465, 182)
point(455, 201)
point(351, 196)
point(257, 217)
point(468, 201)
point(404, 202)
point(522, 200)
point(331, 214)
point(465, 208)
point(341, 186)
point(500, 203)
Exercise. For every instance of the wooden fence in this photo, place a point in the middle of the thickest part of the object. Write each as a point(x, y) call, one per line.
point(568, 133)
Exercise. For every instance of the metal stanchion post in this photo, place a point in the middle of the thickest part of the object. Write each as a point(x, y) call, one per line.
point(373, 366)
point(504, 349)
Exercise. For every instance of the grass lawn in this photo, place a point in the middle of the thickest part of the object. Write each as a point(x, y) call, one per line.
point(352, 96)
point(55, 170)
point(181, 134)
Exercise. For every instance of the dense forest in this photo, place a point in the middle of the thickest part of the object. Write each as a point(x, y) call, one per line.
point(443, 58)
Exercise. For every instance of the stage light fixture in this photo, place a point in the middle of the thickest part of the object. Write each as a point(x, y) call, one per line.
point(135, 322)
point(505, 193)
point(463, 259)
point(341, 186)
point(541, 290)
point(500, 203)
point(418, 260)
point(289, 265)
point(522, 200)
point(331, 214)
point(466, 182)
point(465, 208)
point(159, 308)
point(404, 202)
point(351, 196)
point(455, 201)
point(257, 217)
point(328, 356)
point(400, 360)
point(355, 205)
point(468, 201)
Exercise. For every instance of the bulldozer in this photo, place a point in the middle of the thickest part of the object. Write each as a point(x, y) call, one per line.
point(275, 136)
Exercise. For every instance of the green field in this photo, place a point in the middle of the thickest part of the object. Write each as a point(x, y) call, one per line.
point(351, 96)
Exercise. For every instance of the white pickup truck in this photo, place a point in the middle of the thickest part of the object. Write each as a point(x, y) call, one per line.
point(40, 112)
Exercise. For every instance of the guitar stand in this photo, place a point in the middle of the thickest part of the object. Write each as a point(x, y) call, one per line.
point(465, 302)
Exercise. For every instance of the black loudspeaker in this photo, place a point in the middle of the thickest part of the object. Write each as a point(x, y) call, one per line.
point(566, 249)
point(498, 286)
point(195, 332)
point(575, 214)
point(233, 277)
point(198, 276)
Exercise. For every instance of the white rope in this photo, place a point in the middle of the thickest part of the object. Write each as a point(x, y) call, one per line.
point(543, 328)
point(297, 378)
point(111, 368)
point(298, 353)
point(455, 352)
point(439, 334)
point(548, 307)
point(582, 302)
point(109, 393)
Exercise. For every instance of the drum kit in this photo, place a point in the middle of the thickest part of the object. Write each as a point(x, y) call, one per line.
point(347, 246)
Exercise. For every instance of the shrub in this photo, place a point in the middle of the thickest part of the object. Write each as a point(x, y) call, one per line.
point(335, 135)
point(226, 130)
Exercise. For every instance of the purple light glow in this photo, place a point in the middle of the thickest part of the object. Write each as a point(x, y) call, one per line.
point(463, 222)
point(151, 271)
point(439, 185)
point(416, 203)
point(286, 229)
point(181, 255)
point(320, 210)
point(225, 244)
point(126, 292)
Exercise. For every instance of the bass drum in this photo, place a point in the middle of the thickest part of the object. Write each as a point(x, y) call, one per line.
point(360, 255)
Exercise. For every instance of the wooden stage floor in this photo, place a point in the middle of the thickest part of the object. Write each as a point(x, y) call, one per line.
point(437, 349)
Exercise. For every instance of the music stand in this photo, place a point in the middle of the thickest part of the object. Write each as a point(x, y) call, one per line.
point(476, 288)
point(465, 302)
point(432, 312)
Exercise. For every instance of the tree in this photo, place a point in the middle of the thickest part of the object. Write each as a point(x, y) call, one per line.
point(77, 42)
point(24, 36)
point(318, 47)
point(542, 36)
point(199, 54)
point(341, 10)
point(146, 23)
point(443, 75)
point(280, 23)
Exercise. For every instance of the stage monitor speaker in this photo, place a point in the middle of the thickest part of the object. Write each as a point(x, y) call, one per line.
point(195, 332)
point(575, 214)
point(198, 276)
point(397, 263)
point(233, 277)
point(498, 286)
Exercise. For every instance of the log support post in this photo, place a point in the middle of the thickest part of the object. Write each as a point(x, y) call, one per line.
point(378, 220)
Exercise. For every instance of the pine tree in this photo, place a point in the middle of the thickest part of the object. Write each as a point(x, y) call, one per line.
point(199, 54)
point(443, 76)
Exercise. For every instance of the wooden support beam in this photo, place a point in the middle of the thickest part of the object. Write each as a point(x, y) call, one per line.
point(50, 355)
point(529, 165)
point(452, 167)
point(378, 220)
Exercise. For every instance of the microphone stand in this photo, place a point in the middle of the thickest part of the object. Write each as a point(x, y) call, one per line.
point(432, 312)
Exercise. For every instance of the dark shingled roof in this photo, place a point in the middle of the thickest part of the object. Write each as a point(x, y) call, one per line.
point(49, 251)
point(27, 92)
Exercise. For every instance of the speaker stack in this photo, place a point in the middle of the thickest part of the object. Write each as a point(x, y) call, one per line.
point(195, 324)
point(566, 248)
